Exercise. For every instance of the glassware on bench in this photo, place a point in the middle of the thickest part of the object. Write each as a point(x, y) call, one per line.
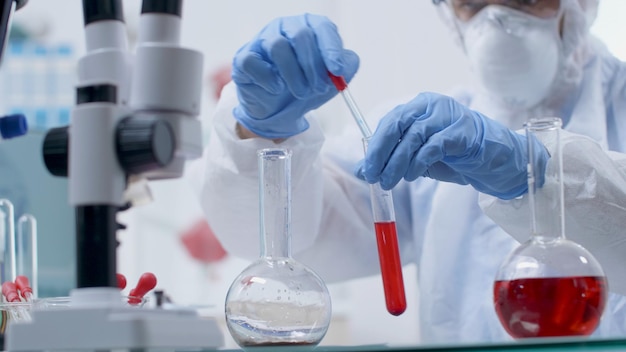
point(549, 286)
point(277, 301)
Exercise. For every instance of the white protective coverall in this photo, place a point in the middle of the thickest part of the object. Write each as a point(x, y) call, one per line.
point(456, 245)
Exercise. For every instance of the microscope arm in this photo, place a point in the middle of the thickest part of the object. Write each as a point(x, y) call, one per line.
point(135, 116)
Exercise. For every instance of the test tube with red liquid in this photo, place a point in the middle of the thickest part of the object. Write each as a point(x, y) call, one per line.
point(384, 219)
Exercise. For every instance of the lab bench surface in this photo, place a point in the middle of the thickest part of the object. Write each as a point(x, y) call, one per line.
point(560, 344)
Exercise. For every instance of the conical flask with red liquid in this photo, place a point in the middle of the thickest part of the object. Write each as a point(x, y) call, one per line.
point(277, 301)
point(549, 286)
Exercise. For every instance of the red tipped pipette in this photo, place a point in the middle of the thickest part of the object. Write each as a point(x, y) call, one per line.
point(9, 290)
point(121, 281)
point(22, 284)
point(342, 87)
point(147, 282)
point(384, 219)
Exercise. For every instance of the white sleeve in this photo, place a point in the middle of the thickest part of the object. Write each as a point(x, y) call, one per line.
point(331, 227)
point(595, 205)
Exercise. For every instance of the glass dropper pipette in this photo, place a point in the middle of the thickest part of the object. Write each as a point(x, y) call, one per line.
point(384, 218)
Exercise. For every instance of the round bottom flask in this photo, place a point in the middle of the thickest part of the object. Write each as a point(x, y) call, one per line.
point(277, 301)
point(549, 286)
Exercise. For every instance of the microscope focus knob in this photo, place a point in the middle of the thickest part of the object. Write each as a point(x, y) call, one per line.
point(55, 151)
point(144, 144)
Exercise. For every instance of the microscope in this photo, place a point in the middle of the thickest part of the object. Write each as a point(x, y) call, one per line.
point(135, 118)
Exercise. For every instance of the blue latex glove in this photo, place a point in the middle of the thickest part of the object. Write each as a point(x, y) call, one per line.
point(283, 74)
point(437, 137)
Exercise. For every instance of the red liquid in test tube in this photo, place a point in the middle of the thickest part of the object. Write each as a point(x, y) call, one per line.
point(390, 267)
point(384, 220)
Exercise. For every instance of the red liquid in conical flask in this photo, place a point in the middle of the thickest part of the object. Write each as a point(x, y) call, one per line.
point(556, 306)
point(390, 266)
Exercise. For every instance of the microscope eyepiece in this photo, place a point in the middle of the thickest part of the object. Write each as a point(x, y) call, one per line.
point(102, 10)
point(168, 7)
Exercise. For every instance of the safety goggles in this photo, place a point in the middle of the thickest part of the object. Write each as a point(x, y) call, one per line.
point(464, 10)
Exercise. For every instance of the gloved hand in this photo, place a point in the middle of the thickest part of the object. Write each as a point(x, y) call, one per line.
point(437, 137)
point(283, 74)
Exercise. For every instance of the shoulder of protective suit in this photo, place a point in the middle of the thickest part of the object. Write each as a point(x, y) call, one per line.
point(612, 71)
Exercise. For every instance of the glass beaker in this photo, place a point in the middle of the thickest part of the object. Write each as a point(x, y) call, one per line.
point(549, 286)
point(277, 301)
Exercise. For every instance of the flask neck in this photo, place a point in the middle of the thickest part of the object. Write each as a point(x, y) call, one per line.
point(275, 202)
point(546, 199)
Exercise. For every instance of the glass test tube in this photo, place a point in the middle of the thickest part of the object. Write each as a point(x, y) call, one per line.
point(388, 251)
point(6, 207)
point(3, 247)
point(27, 250)
point(384, 218)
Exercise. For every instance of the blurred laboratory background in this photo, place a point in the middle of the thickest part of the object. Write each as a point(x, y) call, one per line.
point(404, 47)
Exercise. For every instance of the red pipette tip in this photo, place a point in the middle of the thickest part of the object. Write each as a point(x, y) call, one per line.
point(22, 284)
point(147, 282)
point(338, 81)
point(121, 281)
point(9, 290)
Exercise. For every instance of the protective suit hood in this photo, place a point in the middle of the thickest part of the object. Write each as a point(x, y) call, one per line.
point(577, 16)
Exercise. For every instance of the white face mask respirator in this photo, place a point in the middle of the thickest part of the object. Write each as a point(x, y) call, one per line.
point(516, 56)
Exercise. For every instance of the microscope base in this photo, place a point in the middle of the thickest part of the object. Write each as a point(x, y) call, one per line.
point(90, 329)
